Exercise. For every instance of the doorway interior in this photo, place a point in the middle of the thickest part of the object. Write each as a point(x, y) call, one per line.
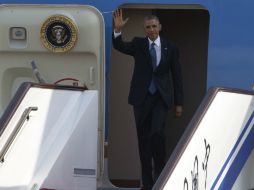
point(188, 27)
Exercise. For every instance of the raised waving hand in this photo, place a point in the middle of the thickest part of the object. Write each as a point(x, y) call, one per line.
point(119, 22)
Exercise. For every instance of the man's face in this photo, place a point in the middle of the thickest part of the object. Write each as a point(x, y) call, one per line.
point(152, 28)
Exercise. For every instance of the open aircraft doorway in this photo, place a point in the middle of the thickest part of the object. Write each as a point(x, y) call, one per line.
point(188, 27)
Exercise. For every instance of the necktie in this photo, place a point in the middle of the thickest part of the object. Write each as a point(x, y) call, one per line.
point(152, 88)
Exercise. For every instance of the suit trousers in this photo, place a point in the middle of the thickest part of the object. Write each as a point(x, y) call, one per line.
point(150, 118)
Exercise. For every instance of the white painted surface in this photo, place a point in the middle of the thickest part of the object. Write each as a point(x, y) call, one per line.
point(85, 62)
point(220, 128)
point(60, 136)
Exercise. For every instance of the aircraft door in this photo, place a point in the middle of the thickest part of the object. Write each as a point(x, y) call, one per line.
point(56, 46)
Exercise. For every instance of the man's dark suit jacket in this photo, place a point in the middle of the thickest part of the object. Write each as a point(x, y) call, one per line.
point(167, 75)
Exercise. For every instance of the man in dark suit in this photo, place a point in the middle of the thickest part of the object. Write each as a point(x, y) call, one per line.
point(156, 87)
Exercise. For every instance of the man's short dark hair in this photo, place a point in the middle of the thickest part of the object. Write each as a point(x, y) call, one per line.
point(151, 17)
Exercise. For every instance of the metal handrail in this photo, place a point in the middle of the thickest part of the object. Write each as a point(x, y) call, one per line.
point(23, 118)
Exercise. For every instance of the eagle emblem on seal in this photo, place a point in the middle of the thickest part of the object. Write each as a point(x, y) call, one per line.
point(59, 33)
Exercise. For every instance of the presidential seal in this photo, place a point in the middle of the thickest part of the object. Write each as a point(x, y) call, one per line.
point(59, 33)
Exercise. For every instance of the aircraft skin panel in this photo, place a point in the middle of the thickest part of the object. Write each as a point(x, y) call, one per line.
point(85, 62)
point(17, 14)
point(81, 66)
